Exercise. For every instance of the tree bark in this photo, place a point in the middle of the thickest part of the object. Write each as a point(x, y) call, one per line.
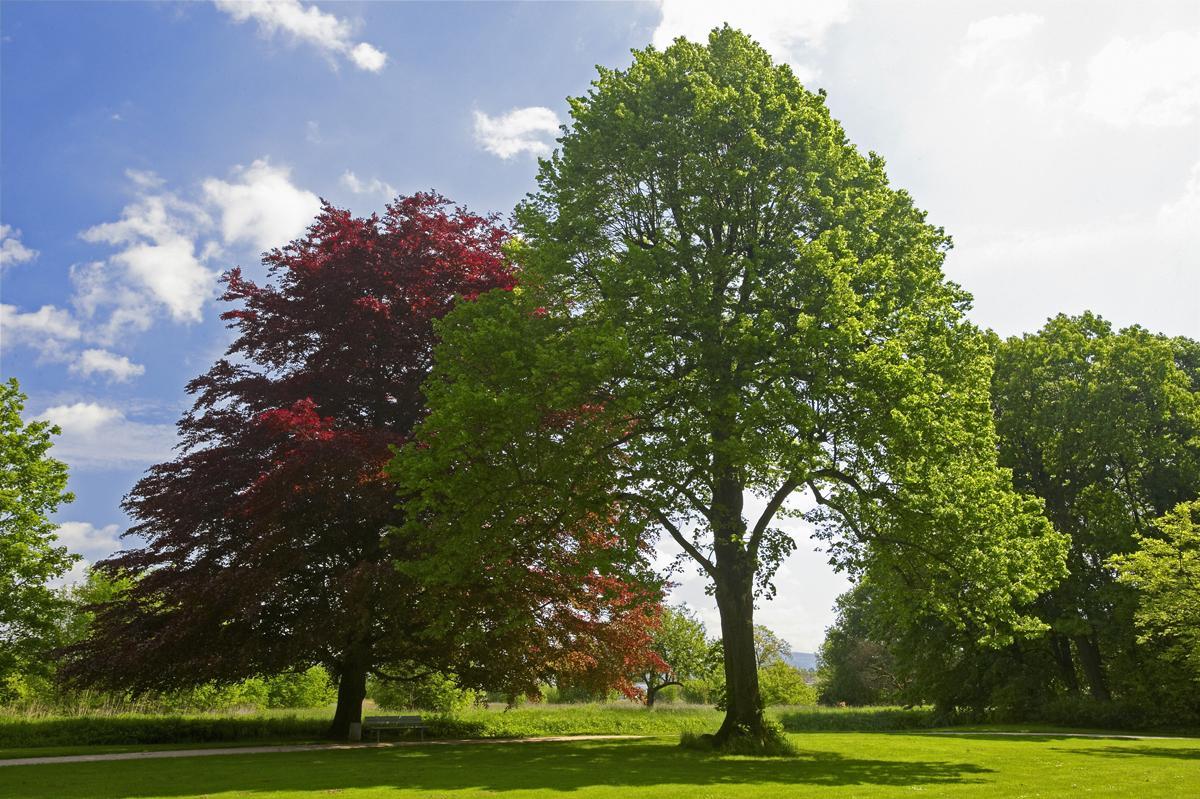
point(735, 599)
point(352, 690)
point(652, 691)
point(1060, 647)
point(1093, 666)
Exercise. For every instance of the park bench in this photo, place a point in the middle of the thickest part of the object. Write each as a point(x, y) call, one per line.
point(377, 724)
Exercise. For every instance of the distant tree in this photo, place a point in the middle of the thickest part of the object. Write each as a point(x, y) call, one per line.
point(1165, 571)
point(1104, 427)
point(681, 648)
point(784, 684)
point(32, 487)
point(725, 298)
point(854, 666)
point(769, 648)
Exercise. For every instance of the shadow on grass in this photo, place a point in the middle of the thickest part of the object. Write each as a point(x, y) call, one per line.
point(496, 768)
point(1177, 753)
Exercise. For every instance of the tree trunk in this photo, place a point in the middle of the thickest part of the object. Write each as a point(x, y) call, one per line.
point(352, 690)
point(1061, 649)
point(735, 600)
point(1093, 666)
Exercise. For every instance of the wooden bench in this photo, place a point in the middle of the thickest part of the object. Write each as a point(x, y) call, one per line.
point(377, 724)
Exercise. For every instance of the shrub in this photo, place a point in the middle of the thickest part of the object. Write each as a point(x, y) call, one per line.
point(312, 687)
point(437, 693)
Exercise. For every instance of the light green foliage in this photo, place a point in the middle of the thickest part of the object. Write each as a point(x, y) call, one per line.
point(721, 296)
point(1165, 570)
point(311, 687)
point(783, 684)
point(680, 643)
point(769, 648)
point(436, 692)
point(32, 486)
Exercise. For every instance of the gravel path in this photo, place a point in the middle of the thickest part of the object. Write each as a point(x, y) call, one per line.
point(263, 750)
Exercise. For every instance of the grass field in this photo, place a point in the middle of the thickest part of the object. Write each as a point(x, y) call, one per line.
point(831, 764)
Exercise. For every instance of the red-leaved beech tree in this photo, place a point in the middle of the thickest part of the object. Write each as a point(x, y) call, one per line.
point(267, 542)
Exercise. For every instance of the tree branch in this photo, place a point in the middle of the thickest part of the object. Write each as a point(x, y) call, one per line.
point(675, 532)
point(760, 528)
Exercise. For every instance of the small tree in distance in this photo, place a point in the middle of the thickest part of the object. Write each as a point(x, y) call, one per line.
point(682, 650)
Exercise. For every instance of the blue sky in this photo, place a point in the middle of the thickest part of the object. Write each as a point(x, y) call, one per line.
point(145, 147)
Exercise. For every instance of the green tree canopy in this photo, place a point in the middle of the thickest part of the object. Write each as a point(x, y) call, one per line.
point(32, 486)
point(1165, 570)
point(723, 299)
point(1104, 426)
point(681, 646)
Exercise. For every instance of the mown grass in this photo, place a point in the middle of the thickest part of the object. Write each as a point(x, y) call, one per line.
point(828, 765)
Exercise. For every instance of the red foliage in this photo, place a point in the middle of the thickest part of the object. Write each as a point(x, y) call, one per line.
point(265, 539)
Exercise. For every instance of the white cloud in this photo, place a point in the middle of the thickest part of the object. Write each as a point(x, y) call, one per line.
point(373, 186)
point(1153, 82)
point(49, 330)
point(788, 29)
point(308, 24)
point(102, 362)
point(261, 205)
point(522, 130)
point(985, 35)
point(88, 540)
point(46, 322)
point(96, 436)
point(12, 250)
point(157, 236)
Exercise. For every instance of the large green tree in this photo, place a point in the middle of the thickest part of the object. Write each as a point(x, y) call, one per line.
point(681, 648)
point(32, 486)
point(1104, 426)
point(723, 300)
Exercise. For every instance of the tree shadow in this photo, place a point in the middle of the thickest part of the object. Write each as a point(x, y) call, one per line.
point(1177, 753)
point(494, 768)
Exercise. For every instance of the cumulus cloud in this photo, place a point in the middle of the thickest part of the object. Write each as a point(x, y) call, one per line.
point(260, 205)
point(117, 368)
point(308, 24)
point(96, 436)
point(12, 250)
point(156, 236)
point(789, 30)
point(356, 185)
point(522, 130)
point(49, 330)
point(1152, 82)
point(88, 540)
point(986, 35)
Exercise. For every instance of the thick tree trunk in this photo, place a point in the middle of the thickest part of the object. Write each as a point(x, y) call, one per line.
point(735, 600)
point(352, 690)
point(1093, 666)
point(1061, 649)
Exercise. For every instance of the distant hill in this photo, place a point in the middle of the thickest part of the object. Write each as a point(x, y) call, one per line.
point(803, 660)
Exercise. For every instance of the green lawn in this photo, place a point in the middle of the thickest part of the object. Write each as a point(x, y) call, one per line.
point(831, 764)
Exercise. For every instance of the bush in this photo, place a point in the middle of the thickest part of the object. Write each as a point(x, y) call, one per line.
point(437, 693)
point(309, 688)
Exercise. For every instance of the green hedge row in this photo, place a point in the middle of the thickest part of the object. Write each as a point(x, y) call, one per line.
point(95, 730)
